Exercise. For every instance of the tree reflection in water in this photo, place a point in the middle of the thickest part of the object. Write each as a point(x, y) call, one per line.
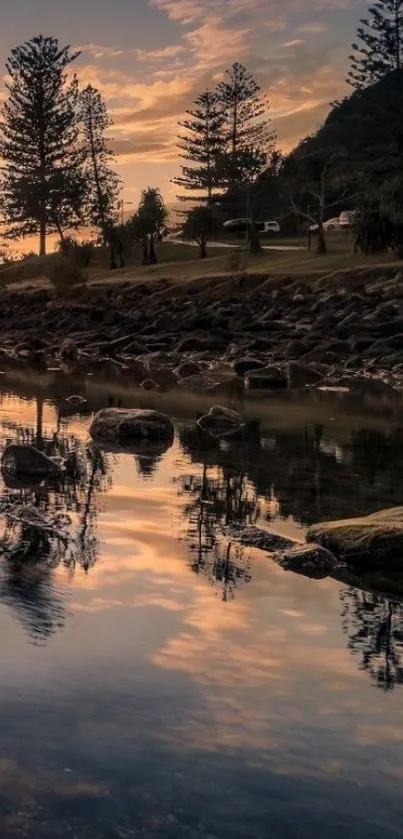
point(221, 496)
point(374, 626)
point(27, 584)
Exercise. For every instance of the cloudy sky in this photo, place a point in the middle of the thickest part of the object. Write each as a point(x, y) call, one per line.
point(150, 58)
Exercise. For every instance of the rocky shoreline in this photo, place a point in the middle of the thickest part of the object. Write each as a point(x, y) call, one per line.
point(208, 337)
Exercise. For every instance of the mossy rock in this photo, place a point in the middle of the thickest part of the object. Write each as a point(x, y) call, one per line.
point(370, 541)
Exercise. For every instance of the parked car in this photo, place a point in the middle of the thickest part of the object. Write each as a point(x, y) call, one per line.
point(345, 219)
point(330, 224)
point(240, 225)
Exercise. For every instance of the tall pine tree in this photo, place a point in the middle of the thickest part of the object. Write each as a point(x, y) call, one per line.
point(201, 147)
point(42, 180)
point(379, 50)
point(249, 140)
point(101, 179)
point(377, 61)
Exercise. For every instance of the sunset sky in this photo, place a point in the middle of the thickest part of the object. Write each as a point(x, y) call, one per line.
point(150, 58)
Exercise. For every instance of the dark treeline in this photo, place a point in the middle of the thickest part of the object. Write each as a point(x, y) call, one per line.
point(59, 169)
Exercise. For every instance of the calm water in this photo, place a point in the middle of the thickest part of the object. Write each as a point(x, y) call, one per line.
point(155, 683)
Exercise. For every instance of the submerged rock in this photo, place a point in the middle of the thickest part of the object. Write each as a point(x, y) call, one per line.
point(76, 400)
point(310, 560)
point(368, 541)
point(268, 378)
point(265, 540)
point(28, 460)
point(300, 375)
point(120, 425)
point(222, 422)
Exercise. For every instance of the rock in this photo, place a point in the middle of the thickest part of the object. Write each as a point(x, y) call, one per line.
point(163, 377)
point(364, 542)
point(233, 388)
point(76, 401)
point(265, 540)
point(149, 384)
point(68, 350)
point(222, 422)
point(138, 370)
point(300, 375)
point(244, 365)
point(28, 460)
point(121, 425)
point(310, 560)
point(198, 383)
point(268, 378)
point(188, 368)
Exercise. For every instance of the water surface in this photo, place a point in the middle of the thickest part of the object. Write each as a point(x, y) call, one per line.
point(157, 681)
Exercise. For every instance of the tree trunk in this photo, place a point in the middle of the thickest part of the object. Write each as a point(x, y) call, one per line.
point(101, 208)
point(252, 234)
point(152, 256)
point(113, 264)
point(42, 236)
point(203, 249)
point(321, 243)
point(255, 245)
point(144, 248)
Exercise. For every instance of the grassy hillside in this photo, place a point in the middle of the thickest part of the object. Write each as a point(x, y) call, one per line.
point(179, 263)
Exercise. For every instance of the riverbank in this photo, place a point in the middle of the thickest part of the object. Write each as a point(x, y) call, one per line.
point(209, 333)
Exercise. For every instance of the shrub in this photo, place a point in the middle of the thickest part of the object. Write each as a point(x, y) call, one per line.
point(65, 275)
point(79, 252)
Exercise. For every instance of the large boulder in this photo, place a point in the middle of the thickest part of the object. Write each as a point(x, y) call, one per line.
point(368, 541)
point(21, 460)
point(122, 425)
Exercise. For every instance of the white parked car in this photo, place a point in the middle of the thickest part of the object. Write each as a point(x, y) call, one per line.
point(345, 220)
point(240, 225)
point(330, 224)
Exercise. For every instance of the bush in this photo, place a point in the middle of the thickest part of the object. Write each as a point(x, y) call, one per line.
point(65, 275)
point(79, 252)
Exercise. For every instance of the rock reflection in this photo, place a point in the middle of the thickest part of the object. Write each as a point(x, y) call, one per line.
point(374, 626)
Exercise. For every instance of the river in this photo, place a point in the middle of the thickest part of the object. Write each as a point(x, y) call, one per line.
point(157, 682)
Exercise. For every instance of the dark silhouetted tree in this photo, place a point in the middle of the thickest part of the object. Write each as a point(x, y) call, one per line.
point(151, 219)
point(201, 146)
point(379, 47)
point(42, 180)
point(101, 179)
point(199, 227)
point(248, 138)
point(377, 62)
